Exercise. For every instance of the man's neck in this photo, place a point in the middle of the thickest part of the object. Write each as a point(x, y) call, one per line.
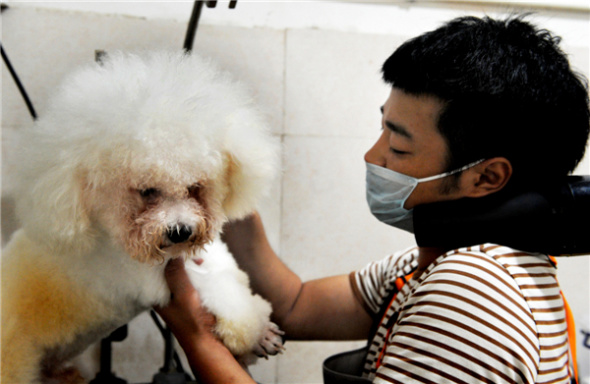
point(426, 255)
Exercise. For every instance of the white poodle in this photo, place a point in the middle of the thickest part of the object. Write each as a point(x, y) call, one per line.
point(136, 161)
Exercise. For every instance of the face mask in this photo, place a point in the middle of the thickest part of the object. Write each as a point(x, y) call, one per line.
point(387, 192)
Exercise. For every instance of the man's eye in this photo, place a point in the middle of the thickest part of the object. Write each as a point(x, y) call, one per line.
point(397, 152)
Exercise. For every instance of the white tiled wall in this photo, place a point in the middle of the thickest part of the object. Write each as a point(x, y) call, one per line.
point(322, 92)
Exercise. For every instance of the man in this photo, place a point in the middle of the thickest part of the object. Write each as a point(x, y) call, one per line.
point(478, 108)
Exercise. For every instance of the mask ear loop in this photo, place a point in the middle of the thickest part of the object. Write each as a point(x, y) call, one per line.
point(440, 176)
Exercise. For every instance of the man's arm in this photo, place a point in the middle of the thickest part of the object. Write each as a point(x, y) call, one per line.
point(323, 309)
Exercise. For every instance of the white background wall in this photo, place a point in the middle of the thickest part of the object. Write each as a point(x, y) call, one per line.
point(314, 67)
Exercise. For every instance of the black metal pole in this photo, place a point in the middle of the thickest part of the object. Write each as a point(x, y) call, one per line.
point(192, 26)
point(19, 85)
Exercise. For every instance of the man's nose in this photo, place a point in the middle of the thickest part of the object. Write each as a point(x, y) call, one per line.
point(376, 154)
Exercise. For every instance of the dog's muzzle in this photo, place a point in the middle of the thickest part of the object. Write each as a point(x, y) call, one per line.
point(179, 234)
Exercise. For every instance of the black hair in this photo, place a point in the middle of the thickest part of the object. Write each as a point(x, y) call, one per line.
point(508, 90)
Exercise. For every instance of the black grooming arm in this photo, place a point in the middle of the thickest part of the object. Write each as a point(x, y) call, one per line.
point(554, 220)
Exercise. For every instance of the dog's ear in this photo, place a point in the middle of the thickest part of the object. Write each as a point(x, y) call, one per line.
point(251, 161)
point(53, 212)
point(237, 202)
point(247, 180)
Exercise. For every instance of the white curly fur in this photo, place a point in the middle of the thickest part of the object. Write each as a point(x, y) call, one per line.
point(126, 152)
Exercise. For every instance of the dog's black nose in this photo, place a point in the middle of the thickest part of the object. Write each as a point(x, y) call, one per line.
point(179, 234)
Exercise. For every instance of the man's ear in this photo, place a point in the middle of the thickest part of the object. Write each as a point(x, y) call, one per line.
point(489, 176)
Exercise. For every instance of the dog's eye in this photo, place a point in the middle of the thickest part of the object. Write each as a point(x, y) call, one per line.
point(149, 193)
point(194, 191)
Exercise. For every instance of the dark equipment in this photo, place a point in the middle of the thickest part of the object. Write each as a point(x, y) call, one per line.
point(554, 220)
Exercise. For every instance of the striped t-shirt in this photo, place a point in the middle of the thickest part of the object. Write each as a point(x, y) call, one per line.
point(483, 314)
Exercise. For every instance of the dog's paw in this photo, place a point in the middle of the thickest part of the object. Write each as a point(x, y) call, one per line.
point(241, 340)
point(239, 337)
point(271, 342)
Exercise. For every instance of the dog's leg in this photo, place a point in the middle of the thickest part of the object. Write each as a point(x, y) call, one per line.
point(42, 309)
point(243, 319)
point(241, 316)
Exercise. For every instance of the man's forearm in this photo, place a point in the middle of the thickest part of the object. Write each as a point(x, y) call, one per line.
point(211, 362)
point(269, 276)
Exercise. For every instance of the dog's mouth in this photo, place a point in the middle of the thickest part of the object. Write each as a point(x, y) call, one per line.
point(154, 242)
point(179, 234)
point(168, 246)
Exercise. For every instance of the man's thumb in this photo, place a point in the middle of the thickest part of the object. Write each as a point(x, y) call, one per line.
point(176, 276)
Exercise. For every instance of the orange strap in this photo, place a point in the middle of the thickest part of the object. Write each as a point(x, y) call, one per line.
point(399, 283)
point(571, 329)
point(571, 334)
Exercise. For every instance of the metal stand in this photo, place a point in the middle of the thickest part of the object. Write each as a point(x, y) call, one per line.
point(105, 375)
point(172, 372)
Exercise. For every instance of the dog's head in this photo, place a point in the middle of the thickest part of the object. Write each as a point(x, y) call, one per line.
point(155, 151)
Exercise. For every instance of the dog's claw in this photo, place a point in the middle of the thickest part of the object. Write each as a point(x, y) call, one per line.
point(271, 342)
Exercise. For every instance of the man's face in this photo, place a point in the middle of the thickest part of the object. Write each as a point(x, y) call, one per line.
point(410, 143)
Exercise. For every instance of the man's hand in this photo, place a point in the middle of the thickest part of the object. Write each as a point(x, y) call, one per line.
point(184, 314)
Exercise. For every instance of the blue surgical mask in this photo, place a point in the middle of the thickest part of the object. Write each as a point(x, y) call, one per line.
point(387, 192)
